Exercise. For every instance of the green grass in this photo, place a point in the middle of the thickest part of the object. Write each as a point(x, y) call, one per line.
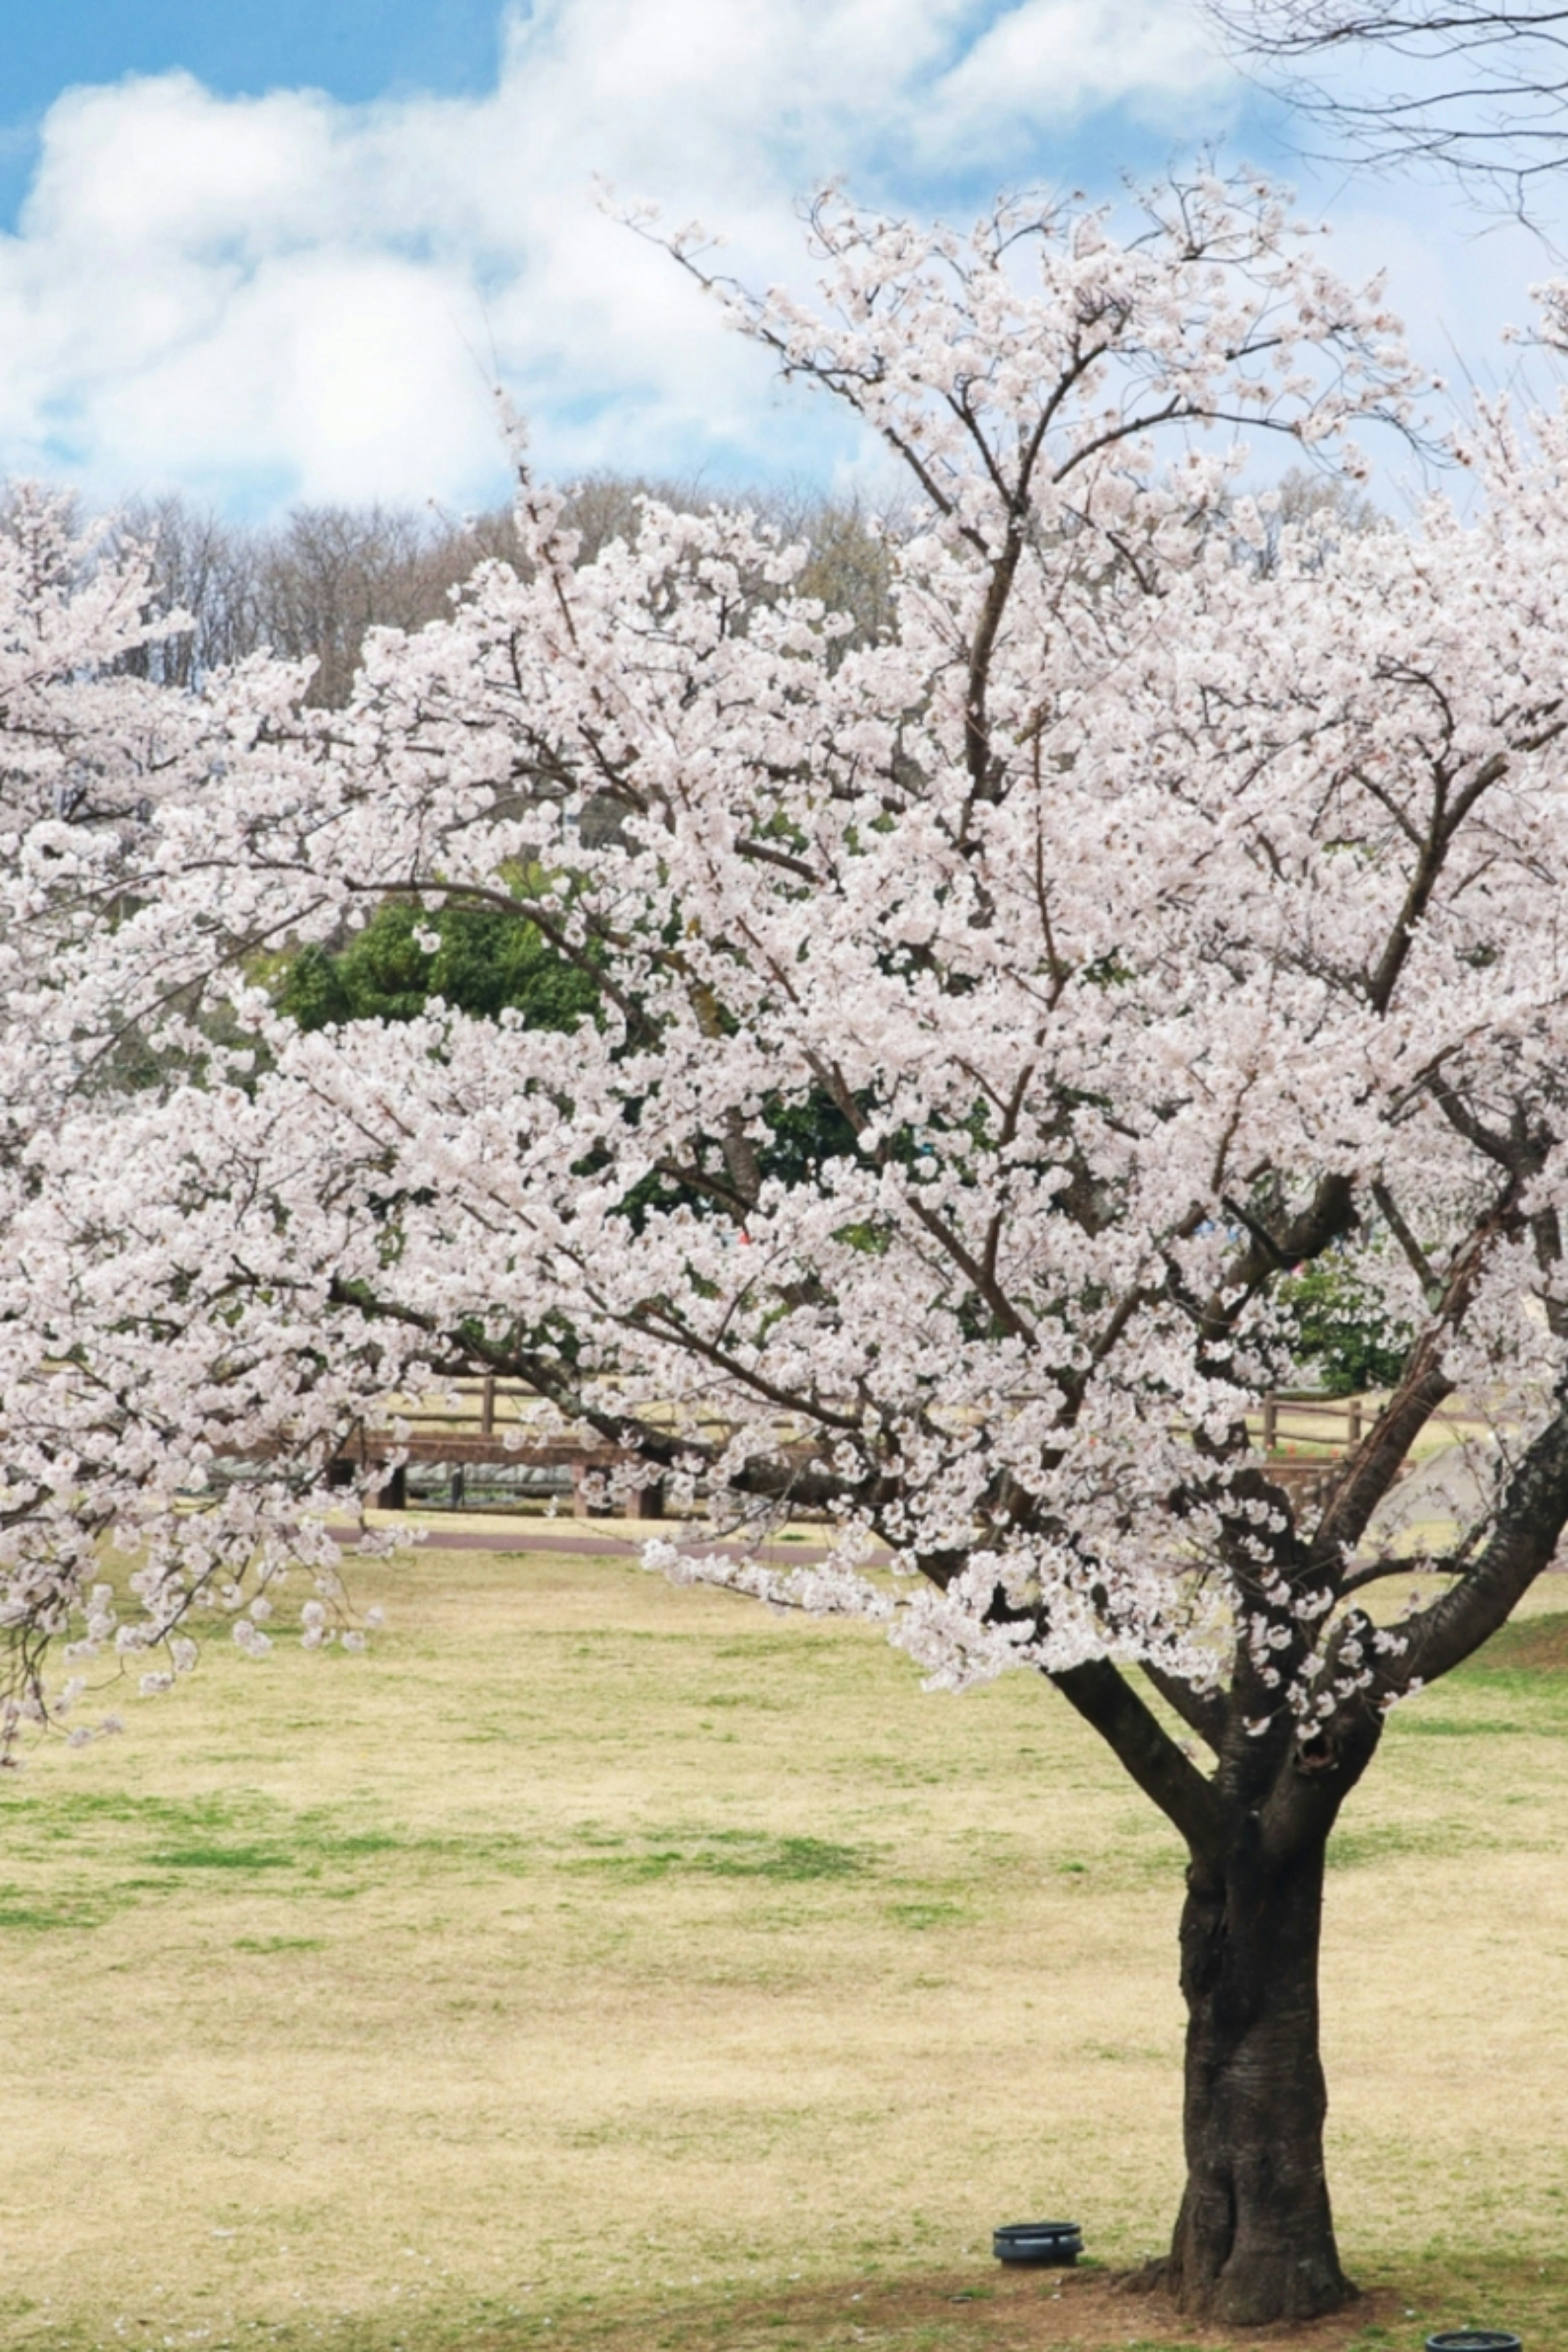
point(718, 1854)
point(624, 1959)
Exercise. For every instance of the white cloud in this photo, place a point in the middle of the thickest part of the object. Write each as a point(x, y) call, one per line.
point(285, 298)
point(282, 298)
point(1050, 58)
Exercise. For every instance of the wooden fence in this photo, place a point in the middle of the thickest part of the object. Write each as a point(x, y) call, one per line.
point(483, 1423)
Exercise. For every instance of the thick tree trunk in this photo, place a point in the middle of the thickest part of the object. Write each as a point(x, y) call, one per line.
point(1255, 2238)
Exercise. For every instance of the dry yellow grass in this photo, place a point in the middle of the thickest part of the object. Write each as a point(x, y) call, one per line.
point(593, 1940)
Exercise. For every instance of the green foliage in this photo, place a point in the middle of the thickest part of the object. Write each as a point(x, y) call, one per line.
point(1341, 1330)
point(803, 1136)
point(486, 962)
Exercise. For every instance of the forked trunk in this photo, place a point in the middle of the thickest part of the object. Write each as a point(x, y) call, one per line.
point(1255, 2237)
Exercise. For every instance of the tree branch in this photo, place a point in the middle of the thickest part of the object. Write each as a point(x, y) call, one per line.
point(1203, 1711)
point(1524, 1538)
point(1415, 1256)
point(1110, 1705)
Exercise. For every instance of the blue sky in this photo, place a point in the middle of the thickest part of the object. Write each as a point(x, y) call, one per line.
point(268, 251)
point(356, 49)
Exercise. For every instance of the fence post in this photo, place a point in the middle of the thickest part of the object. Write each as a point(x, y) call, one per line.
point(393, 1494)
point(1270, 1424)
point(488, 1406)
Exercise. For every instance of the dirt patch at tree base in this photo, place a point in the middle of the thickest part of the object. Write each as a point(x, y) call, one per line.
point(1052, 2311)
point(1081, 2311)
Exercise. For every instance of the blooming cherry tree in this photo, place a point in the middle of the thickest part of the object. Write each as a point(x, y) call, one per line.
point(104, 1415)
point(984, 1022)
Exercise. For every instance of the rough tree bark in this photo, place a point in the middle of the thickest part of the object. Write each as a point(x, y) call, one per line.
point(1255, 2237)
point(1253, 2241)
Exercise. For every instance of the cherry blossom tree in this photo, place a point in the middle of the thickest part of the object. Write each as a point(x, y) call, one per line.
point(84, 754)
point(981, 1024)
point(94, 755)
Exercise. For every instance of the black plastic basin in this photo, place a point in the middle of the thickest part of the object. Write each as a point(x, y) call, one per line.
point(1474, 2339)
point(1054, 2242)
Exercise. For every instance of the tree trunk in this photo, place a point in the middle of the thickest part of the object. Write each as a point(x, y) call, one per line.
point(1255, 2238)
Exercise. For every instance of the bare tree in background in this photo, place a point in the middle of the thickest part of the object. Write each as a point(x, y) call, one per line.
point(206, 569)
point(307, 588)
point(1477, 90)
point(313, 586)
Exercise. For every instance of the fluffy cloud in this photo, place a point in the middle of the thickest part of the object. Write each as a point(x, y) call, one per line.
point(1049, 59)
point(281, 296)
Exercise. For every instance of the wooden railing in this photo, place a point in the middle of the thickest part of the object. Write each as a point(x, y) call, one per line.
point(1291, 1420)
point(483, 1422)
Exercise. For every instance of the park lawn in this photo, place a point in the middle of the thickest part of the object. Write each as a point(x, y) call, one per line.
point(604, 1964)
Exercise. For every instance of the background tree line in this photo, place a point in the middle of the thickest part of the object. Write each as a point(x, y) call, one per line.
point(311, 585)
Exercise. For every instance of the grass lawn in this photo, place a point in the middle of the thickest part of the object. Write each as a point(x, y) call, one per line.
point(606, 1965)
